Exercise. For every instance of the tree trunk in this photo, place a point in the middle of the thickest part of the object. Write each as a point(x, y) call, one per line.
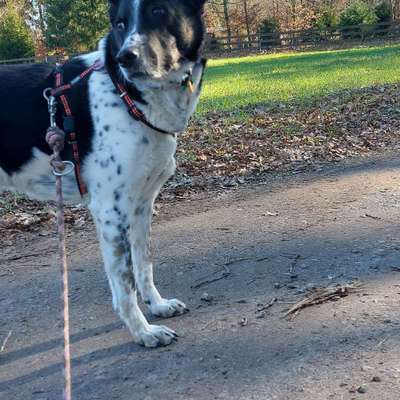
point(41, 18)
point(246, 15)
point(227, 23)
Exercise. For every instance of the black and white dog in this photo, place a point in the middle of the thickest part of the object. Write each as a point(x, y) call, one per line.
point(153, 47)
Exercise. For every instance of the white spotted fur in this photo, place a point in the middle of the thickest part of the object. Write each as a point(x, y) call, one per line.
point(124, 172)
point(37, 181)
point(145, 160)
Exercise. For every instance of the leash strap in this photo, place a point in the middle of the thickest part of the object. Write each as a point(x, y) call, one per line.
point(55, 139)
point(65, 288)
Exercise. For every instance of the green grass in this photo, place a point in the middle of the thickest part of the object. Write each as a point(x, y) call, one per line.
point(231, 84)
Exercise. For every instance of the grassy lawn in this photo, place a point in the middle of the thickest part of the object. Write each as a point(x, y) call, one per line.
point(237, 82)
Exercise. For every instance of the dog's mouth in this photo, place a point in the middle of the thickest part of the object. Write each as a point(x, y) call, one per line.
point(142, 70)
point(135, 75)
point(131, 74)
point(176, 76)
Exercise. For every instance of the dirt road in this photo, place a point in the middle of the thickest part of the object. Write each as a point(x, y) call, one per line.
point(225, 256)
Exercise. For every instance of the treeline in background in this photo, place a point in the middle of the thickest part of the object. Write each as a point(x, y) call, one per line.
point(47, 27)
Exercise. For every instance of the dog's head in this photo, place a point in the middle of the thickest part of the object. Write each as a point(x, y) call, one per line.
point(152, 38)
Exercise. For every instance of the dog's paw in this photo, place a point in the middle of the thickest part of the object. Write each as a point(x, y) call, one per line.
point(168, 308)
point(156, 336)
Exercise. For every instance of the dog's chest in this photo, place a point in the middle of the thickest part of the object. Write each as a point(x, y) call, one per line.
point(127, 158)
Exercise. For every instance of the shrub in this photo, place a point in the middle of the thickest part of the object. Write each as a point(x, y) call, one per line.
point(384, 15)
point(269, 33)
point(75, 25)
point(357, 13)
point(15, 36)
point(327, 20)
point(383, 12)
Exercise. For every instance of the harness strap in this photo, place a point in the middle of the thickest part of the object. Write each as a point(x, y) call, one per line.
point(69, 123)
point(134, 111)
point(60, 91)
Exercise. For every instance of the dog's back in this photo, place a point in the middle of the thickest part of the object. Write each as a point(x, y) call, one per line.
point(23, 114)
point(24, 120)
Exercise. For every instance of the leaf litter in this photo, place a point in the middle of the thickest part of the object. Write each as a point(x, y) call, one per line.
point(226, 149)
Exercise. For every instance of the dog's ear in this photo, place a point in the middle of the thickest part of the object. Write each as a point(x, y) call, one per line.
point(113, 3)
point(112, 7)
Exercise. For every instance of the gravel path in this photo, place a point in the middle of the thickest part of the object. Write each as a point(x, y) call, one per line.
point(226, 256)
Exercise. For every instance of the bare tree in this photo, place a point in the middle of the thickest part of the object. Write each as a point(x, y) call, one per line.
point(247, 20)
point(227, 22)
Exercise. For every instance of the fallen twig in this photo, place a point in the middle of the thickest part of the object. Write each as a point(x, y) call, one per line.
point(323, 295)
point(21, 256)
point(294, 264)
point(7, 272)
point(382, 342)
point(264, 307)
point(224, 274)
point(3, 346)
point(373, 217)
point(231, 262)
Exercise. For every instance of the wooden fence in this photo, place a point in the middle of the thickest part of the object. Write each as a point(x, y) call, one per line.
point(303, 39)
point(33, 60)
point(288, 40)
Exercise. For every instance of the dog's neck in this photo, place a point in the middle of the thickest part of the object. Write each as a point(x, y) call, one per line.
point(169, 103)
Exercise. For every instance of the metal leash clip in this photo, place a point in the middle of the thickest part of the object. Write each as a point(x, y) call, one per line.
point(69, 168)
point(52, 105)
point(55, 137)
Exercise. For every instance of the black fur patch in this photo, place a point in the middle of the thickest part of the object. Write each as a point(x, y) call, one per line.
point(24, 110)
point(24, 118)
point(179, 24)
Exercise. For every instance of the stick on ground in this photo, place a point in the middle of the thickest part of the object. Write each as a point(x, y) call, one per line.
point(323, 295)
point(3, 346)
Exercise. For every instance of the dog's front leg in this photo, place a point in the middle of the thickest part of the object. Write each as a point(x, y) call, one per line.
point(113, 233)
point(143, 267)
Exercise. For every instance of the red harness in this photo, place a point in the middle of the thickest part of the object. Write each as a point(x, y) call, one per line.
point(60, 91)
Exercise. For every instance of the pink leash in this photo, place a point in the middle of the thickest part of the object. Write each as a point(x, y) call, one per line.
point(55, 138)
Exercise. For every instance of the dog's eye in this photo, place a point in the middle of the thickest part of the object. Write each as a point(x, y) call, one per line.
point(121, 26)
point(158, 11)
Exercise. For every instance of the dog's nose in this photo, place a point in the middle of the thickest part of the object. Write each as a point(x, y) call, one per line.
point(127, 57)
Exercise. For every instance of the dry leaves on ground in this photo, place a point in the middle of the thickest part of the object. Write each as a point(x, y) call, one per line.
point(228, 149)
point(284, 136)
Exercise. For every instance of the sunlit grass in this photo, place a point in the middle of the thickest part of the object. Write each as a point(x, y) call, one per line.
point(237, 82)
